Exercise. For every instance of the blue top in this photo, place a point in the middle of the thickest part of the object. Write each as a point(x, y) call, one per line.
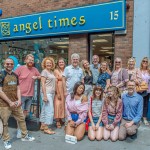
point(102, 78)
point(132, 107)
point(72, 75)
point(95, 72)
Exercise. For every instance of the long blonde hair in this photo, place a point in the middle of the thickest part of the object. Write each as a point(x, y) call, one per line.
point(85, 70)
point(116, 95)
point(131, 59)
point(148, 66)
point(120, 62)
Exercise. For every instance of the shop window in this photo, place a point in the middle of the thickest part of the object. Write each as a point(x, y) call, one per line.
point(103, 46)
point(40, 48)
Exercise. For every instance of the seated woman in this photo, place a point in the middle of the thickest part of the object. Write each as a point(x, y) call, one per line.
point(76, 111)
point(95, 130)
point(112, 114)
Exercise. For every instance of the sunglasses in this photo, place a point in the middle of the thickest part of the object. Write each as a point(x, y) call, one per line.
point(9, 64)
point(145, 61)
point(117, 62)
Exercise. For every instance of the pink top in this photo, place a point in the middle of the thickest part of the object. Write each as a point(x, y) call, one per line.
point(25, 79)
point(146, 78)
point(73, 107)
point(111, 110)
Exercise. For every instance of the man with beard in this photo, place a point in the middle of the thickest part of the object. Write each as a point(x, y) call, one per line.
point(10, 103)
point(27, 75)
point(132, 112)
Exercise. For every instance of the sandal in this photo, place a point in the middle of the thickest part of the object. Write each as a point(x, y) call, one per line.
point(58, 125)
point(146, 123)
point(42, 127)
point(49, 131)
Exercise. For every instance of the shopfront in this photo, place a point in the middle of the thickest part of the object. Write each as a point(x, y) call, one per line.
point(86, 30)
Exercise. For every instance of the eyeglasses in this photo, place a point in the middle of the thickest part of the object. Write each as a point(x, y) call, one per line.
point(9, 64)
point(145, 61)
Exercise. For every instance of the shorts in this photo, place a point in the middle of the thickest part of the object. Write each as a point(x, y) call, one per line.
point(95, 120)
point(26, 102)
point(76, 116)
point(111, 120)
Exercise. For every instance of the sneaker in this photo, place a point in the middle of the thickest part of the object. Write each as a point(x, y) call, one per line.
point(19, 135)
point(7, 144)
point(28, 138)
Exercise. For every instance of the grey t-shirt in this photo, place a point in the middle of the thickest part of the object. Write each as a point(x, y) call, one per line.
point(50, 81)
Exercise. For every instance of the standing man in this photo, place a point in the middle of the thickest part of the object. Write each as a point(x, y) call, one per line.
point(72, 74)
point(132, 112)
point(10, 102)
point(27, 75)
point(95, 68)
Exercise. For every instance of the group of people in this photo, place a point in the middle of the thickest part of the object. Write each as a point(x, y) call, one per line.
point(88, 98)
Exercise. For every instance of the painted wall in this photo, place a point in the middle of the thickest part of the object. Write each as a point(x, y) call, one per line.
point(141, 30)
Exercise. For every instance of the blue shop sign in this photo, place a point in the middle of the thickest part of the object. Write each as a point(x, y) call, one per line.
point(109, 16)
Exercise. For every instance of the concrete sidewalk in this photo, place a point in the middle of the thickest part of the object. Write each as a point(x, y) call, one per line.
point(57, 142)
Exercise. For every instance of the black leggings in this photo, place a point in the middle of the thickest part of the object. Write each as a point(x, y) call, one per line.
point(145, 105)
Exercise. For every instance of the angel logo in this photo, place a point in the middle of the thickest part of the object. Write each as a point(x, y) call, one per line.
point(5, 28)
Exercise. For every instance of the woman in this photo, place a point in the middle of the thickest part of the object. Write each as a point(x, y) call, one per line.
point(76, 111)
point(48, 91)
point(95, 130)
point(134, 73)
point(59, 102)
point(104, 77)
point(119, 76)
point(88, 78)
point(145, 71)
point(112, 114)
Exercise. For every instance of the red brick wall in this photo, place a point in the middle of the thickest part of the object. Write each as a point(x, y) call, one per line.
point(78, 43)
point(123, 43)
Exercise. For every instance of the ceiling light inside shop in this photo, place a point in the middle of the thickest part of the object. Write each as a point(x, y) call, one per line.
point(99, 40)
point(67, 42)
point(102, 35)
point(63, 46)
point(93, 45)
point(51, 51)
point(110, 52)
point(107, 47)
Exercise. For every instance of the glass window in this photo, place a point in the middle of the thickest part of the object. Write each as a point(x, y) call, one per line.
point(40, 48)
point(102, 45)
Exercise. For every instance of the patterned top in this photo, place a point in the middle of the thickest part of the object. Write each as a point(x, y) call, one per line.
point(96, 107)
point(103, 77)
point(146, 78)
point(9, 83)
point(112, 110)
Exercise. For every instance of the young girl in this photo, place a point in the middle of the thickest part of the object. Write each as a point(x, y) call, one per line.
point(112, 113)
point(95, 130)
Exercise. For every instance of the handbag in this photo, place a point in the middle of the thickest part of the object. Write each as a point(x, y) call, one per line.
point(88, 120)
point(143, 86)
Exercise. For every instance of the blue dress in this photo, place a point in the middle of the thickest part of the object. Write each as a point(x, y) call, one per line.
point(102, 78)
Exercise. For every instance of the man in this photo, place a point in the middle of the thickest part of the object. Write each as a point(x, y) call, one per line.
point(95, 68)
point(72, 74)
point(10, 102)
point(27, 75)
point(132, 112)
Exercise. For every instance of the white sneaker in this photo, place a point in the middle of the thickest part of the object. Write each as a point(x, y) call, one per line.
point(28, 138)
point(19, 135)
point(7, 144)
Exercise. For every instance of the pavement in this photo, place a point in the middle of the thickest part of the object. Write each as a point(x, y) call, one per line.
point(57, 142)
